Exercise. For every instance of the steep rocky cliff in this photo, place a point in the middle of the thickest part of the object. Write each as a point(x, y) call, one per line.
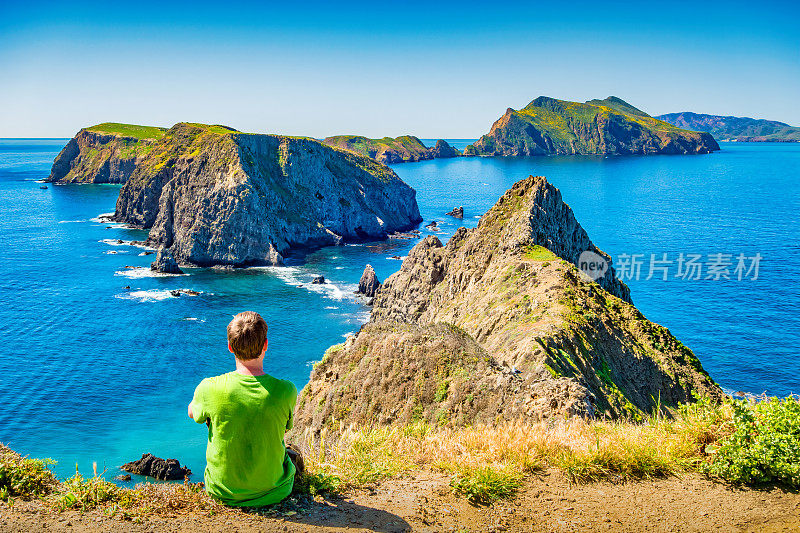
point(105, 153)
point(403, 149)
point(609, 126)
point(501, 324)
point(727, 128)
point(215, 196)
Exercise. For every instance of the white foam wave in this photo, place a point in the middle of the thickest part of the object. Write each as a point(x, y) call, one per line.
point(398, 258)
point(71, 221)
point(120, 242)
point(144, 272)
point(116, 252)
point(331, 307)
point(300, 277)
point(102, 217)
point(152, 295)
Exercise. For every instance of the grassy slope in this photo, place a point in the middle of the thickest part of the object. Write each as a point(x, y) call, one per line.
point(129, 130)
point(555, 123)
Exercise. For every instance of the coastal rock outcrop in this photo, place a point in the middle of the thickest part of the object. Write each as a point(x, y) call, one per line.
point(548, 126)
point(500, 323)
point(369, 284)
point(156, 467)
point(165, 263)
point(457, 212)
point(388, 150)
point(105, 153)
point(214, 196)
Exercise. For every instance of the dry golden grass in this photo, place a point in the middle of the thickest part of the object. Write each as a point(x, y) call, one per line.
point(494, 459)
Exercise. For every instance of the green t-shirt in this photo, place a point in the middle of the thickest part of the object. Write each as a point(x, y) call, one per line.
point(246, 461)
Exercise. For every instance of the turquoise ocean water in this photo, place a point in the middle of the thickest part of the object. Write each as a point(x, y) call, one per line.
point(92, 371)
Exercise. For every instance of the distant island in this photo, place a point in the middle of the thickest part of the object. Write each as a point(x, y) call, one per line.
point(388, 150)
point(548, 126)
point(741, 129)
point(212, 195)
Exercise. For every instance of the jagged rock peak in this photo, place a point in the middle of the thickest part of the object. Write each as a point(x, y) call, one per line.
point(532, 213)
point(369, 284)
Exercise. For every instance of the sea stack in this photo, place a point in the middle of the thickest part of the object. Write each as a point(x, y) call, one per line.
point(500, 323)
point(369, 284)
point(165, 263)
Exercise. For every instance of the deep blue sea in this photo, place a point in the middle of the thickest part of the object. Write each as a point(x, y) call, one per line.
point(92, 371)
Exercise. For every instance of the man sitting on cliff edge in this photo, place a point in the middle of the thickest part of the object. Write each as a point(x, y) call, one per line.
point(247, 412)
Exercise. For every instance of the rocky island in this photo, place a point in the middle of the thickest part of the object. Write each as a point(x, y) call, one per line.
point(212, 195)
point(741, 129)
point(499, 324)
point(403, 149)
point(548, 126)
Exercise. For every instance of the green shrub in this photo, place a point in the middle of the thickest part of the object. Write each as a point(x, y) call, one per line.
point(485, 485)
point(23, 477)
point(82, 493)
point(764, 446)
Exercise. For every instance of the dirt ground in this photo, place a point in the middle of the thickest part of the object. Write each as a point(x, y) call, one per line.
point(424, 503)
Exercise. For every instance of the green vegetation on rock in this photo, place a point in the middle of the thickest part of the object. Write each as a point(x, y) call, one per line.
point(129, 130)
point(609, 126)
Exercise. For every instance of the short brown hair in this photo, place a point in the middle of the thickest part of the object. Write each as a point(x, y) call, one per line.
point(247, 333)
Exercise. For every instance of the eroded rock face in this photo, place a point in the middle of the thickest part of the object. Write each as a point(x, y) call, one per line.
point(97, 157)
point(156, 467)
point(215, 196)
point(165, 263)
point(609, 126)
point(499, 323)
point(369, 284)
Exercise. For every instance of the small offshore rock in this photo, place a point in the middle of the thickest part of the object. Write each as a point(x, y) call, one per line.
point(123, 477)
point(369, 283)
point(156, 467)
point(165, 263)
point(433, 226)
point(175, 293)
point(318, 280)
point(443, 150)
point(458, 212)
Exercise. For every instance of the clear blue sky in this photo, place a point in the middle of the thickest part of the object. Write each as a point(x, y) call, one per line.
point(435, 69)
